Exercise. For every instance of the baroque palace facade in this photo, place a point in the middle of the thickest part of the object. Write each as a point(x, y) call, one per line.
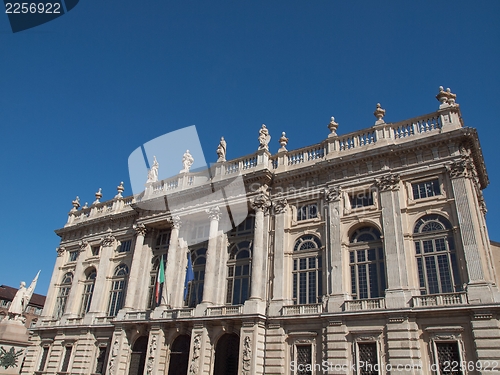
point(367, 253)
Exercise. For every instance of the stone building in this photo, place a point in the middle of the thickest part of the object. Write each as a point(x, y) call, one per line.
point(367, 253)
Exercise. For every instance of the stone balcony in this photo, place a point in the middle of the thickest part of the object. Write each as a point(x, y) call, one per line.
point(224, 310)
point(380, 135)
point(365, 304)
point(314, 308)
point(448, 299)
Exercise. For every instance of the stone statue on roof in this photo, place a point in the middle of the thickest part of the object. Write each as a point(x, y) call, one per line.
point(264, 138)
point(187, 162)
point(153, 171)
point(221, 150)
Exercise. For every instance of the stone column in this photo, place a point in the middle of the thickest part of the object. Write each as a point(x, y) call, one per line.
point(74, 298)
point(461, 173)
point(211, 265)
point(146, 266)
point(260, 204)
point(172, 271)
point(221, 271)
point(50, 301)
point(281, 276)
point(397, 293)
point(135, 268)
point(335, 253)
point(101, 289)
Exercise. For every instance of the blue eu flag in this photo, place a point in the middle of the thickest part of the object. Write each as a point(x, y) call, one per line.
point(189, 276)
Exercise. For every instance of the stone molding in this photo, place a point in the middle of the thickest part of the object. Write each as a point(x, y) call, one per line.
point(175, 221)
point(261, 202)
point(140, 229)
point(280, 204)
point(388, 182)
point(333, 194)
point(214, 213)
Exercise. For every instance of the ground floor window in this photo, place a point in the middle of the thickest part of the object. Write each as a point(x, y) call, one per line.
point(448, 357)
point(367, 358)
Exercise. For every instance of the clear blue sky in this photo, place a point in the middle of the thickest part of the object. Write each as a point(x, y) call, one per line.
point(79, 94)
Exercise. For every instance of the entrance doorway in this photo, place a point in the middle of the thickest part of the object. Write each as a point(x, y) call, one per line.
point(179, 356)
point(138, 356)
point(226, 355)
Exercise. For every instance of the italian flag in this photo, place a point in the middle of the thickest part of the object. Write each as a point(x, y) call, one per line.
point(160, 281)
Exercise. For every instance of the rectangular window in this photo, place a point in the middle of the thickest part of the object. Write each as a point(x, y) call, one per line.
point(125, 246)
point(67, 357)
point(73, 256)
point(361, 199)
point(367, 358)
point(43, 361)
point(309, 211)
point(448, 354)
point(426, 189)
point(95, 250)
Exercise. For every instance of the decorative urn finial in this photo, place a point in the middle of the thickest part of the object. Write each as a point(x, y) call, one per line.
point(333, 126)
point(283, 142)
point(379, 114)
point(76, 204)
point(446, 98)
point(120, 190)
point(98, 196)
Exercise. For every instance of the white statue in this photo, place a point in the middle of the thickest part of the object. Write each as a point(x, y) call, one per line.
point(221, 150)
point(264, 138)
point(153, 171)
point(22, 298)
point(187, 162)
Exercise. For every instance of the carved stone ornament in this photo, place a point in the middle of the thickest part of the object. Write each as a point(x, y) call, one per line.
point(60, 251)
point(187, 162)
point(151, 356)
point(280, 204)
point(388, 182)
point(76, 204)
point(247, 355)
point(379, 114)
point(98, 196)
point(333, 126)
point(461, 168)
point(221, 150)
point(283, 142)
point(446, 98)
point(261, 202)
point(175, 221)
point(83, 245)
point(114, 354)
point(108, 240)
point(333, 194)
point(120, 189)
point(213, 213)
point(264, 138)
point(140, 229)
point(194, 366)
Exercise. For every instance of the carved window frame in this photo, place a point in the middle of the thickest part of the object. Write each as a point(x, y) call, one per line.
point(65, 345)
point(127, 244)
point(445, 335)
point(42, 365)
point(307, 255)
point(303, 339)
point(295, 209)
point(374, 337)
point(348, 193)
point(101, 343)
point(409, 189)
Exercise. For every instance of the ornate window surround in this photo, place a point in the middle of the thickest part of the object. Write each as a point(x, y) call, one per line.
point(450, 334)
point(409, 189)
point(302, 338)
point(368, 337)
point(349, 192)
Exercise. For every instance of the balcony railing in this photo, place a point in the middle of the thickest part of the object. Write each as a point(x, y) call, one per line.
point(448, 299)
point(177, 313)
point(137, 315)
point(364, 304)
point(224, 310)
point(315, 308)
point(364, 139)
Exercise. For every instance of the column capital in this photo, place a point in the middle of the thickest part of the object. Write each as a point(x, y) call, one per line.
point(175, 220)
point(388, 182)
point(280, 204)
point(108, 240)
point(261, 202)
point(333, 194)
point(83, 245)
point(60, 251)
point(213, 213)
point(140, 229)
point(461, 168)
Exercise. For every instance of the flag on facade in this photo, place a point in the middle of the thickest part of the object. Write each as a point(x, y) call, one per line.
point(160, 281)
point(189, 276)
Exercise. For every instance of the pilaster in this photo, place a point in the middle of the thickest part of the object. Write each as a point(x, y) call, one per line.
point(397, 293)
point(108, 246)
point(135, 268)
point(336, 346)
point(50, 301)
point(486, 333)
point(172, 271)
point(275, 361)
point(403, 344)
point(211, 264)
point(252, 348)
point(73, 304)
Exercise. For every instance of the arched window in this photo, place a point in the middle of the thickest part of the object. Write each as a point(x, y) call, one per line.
point(436, 257)
point(307, 270)
point(238, 274)
point(88, 291)
point(195, 293)
point(62, 297)
point(117, 294)
point(366, 260)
